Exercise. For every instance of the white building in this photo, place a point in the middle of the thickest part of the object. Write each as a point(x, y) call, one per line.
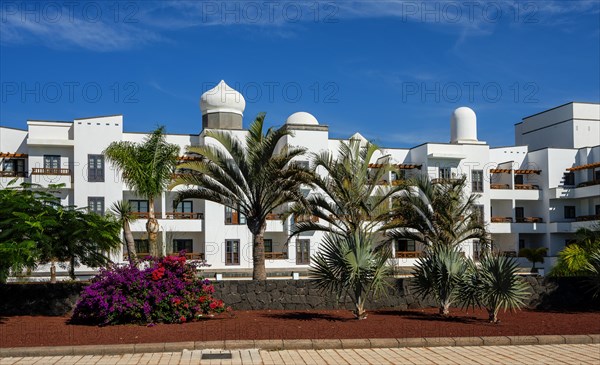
point(534, 194)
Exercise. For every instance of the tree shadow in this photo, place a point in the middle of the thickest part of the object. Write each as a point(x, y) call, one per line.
point(307, 316)
point(435, 317)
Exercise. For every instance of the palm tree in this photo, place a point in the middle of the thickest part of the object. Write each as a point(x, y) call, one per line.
point(436, 214)
point(253, 179)
point(438, 273)
point(349, 196)
point(574, 259)
point(147, 168)
point(594, 274)
point(122, 211)
point(534, 255)
point(493, 284)
point(352, 265)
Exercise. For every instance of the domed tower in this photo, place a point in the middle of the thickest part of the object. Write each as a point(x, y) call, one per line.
point(463, 126)
point(222, 107)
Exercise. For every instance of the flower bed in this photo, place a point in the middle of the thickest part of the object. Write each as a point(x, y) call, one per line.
point(166, 291)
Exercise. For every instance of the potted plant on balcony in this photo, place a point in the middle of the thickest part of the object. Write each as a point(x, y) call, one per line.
point(534, 255)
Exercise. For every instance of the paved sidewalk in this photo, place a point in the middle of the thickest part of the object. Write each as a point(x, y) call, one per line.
point(582, 354)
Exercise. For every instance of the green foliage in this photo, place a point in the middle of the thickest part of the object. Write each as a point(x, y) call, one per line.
point(352, 265)
point(438, 274)
point(34, 229)
point(254, 178)
point(574, 260)
point(147, 168)
point(349, 196)
point(534, 255)
point(493, 284)
point(594, 274)
point(437, 214)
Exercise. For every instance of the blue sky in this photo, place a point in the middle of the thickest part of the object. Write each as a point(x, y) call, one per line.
point(391, 70)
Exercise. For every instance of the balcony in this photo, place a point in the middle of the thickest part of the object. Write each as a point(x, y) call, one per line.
point(529, 220)
point(499, 186)
point(172, 221)
point(587, 218)
point(49, 171)
point(501, 220)
point(184, 215)
point(52, 176)
point(588, 183)
point(408, 254)
point(444, 180)
point(306, 218)
point(191, 256)
point(276, 255)
point(526, 187)
point(23, 174)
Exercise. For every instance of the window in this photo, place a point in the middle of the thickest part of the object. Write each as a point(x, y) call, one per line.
point(569, 212)
point(444, 173)
point(51, 161)
point(569, 178)
point(268, 245)
point(186, 206)
point(521, 244)
point(480, 212)
point(142, 246)
point(17, 166)
point(139, 206)
point(477, 181)
point(96, 205)
point(398, 175)
point(405, 245)
point(597, 175)
point(519, 213)
point(233, 216)
point(302, 252)
point(186, 245)
point(95, 168)
point(597, 210)
point(570, 241)
point(301, 164)
point(232, 252)
point(519, 179)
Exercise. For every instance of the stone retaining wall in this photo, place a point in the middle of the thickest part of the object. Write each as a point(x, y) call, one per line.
point(59, 298)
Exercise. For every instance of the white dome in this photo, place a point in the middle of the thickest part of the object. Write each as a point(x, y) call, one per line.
point(222, 99)
point(463, 125)
point(302, 118)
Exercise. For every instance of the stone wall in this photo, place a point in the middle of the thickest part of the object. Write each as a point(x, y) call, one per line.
point(59, 298)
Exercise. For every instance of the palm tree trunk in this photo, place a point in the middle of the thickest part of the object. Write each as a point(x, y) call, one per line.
point(445, 309)
point(259, 272)
point(493, 315)
point(52, 272)
point(131, 254)
point(152, 228)
point(72, 268)
point(360, 312)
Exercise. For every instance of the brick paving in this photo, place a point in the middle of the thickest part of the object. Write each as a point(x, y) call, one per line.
point(580, 354)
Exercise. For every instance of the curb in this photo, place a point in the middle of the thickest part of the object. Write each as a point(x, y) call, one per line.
point(305, 344)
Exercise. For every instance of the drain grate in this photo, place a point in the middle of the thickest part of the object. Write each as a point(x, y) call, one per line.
point(223, 356)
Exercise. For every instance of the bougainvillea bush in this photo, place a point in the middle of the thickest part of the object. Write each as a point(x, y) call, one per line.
point(166, 291)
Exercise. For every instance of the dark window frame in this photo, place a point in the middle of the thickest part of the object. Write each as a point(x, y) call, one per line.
point(232, 255)
point(234, 217)
point(569, 212)
point(49, 161)
point(95, 173)
point(181, 207)
point(183, 242)
point(268, 244)
point(477, 183)
point(569, 179)
point(405, 245)
point(302, 252)
point(135, 205)
point(142, 246)
point(93, 201)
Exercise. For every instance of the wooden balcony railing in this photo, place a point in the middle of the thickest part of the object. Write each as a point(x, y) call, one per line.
point(276, 255)
point(14, 174)
point(190, 255)
point(184, 215)
point(529, 220)
point(585, 218)
point(499, 186)
point(49, 171)
point(274, 217)
point(444, 180)
point(588, 183)
point(408, 254)
point(526, 187)
point(170, 215)
point(502, 219)
point(306, 218)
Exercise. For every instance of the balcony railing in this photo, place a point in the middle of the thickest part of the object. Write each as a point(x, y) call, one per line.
point(529, 220)
point(408, 254)
point(274, 217)
point(49, 171)
point(170, 215)
point(190, 255)
point(499, 186)
point(588, 183)
point(306, 218)
point(276, 255)
point(14, 174)
point(444, 180)
point(586, 218)
point(502, 219)
point(526, 187)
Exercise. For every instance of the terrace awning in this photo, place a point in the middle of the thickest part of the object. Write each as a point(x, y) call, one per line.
point(405, 166)
point(528, 172)
point(500, 171)
point(13, 155)
point(584, 167)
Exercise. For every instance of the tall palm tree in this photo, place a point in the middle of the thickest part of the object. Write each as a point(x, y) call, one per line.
point(350, 194)
point(437, 214)
point(253, 179)
point(122, 211)
point(147, 168)
point(352, 264)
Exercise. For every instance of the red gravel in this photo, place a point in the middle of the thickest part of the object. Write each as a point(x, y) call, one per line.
point(20, 331)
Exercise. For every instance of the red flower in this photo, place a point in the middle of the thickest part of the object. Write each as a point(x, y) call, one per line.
point(182, 319)
point(213, 305)
point(202, 299)
point(158, 273)
point(176, 301)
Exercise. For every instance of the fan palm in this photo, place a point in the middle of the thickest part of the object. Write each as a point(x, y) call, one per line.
point(147, 168)
point(253, 179)
point(438, 274)
point(494, 285)
point(594, 274)
point(533, 255)
point(349, 195)
point(122, 211)
point(350, 264)
point(437, 214)
point(574, 259)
